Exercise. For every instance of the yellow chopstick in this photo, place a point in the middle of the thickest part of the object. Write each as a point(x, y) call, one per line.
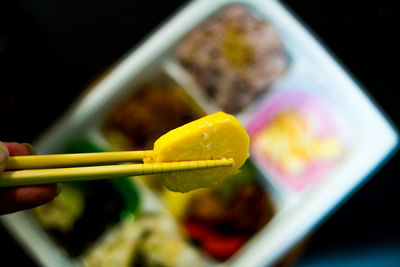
point(77, 159)
point(45, 176)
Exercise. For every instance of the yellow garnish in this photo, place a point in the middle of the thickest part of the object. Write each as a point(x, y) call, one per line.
point(236, 50)
point(290, 142)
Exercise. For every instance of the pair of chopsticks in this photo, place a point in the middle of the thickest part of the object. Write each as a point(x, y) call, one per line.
point(45, 169)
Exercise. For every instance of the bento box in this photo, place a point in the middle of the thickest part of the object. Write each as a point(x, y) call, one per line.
point(315, 137)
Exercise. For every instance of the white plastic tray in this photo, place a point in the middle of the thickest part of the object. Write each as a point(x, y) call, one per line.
point(370, 138)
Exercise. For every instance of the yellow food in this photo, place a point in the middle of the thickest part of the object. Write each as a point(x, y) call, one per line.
point(63, 211)
point(215, 136)
point(290, 141)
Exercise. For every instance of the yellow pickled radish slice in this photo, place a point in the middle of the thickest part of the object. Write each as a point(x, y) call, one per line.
point(214, 136)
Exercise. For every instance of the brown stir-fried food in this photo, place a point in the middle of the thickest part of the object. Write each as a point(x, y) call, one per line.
point(221, 225)
point(245, 213)
point(150, 113)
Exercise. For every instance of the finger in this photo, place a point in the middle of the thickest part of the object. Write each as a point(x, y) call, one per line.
point(24, 197)
point(20, 198)
point(17, 149)
point(3, 156)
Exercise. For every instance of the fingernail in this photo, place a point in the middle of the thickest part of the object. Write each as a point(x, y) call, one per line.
point(31, 149)
point(3, 156)
point(59, 189)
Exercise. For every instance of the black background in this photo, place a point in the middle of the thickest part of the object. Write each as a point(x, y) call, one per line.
point(51, 50)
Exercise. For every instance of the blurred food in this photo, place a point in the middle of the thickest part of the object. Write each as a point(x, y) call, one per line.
point(63, 211)
point(234, 56)
point(124, 186)
point(77, 224)
point(296, 138)
point(214, 136)
point(151, 240)
point(153, 110)
point(177, 202)
point(221, 220)
point(290, 142)
point(84, 211)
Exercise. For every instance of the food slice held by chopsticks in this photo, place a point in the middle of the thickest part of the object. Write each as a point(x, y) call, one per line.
point(215, 136)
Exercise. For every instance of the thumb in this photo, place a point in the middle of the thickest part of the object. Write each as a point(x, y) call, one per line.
point(3, 156)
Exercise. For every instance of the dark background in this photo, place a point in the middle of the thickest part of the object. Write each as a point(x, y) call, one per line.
point(51, 50)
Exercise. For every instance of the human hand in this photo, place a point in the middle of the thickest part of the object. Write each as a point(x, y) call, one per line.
point(24, 197)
